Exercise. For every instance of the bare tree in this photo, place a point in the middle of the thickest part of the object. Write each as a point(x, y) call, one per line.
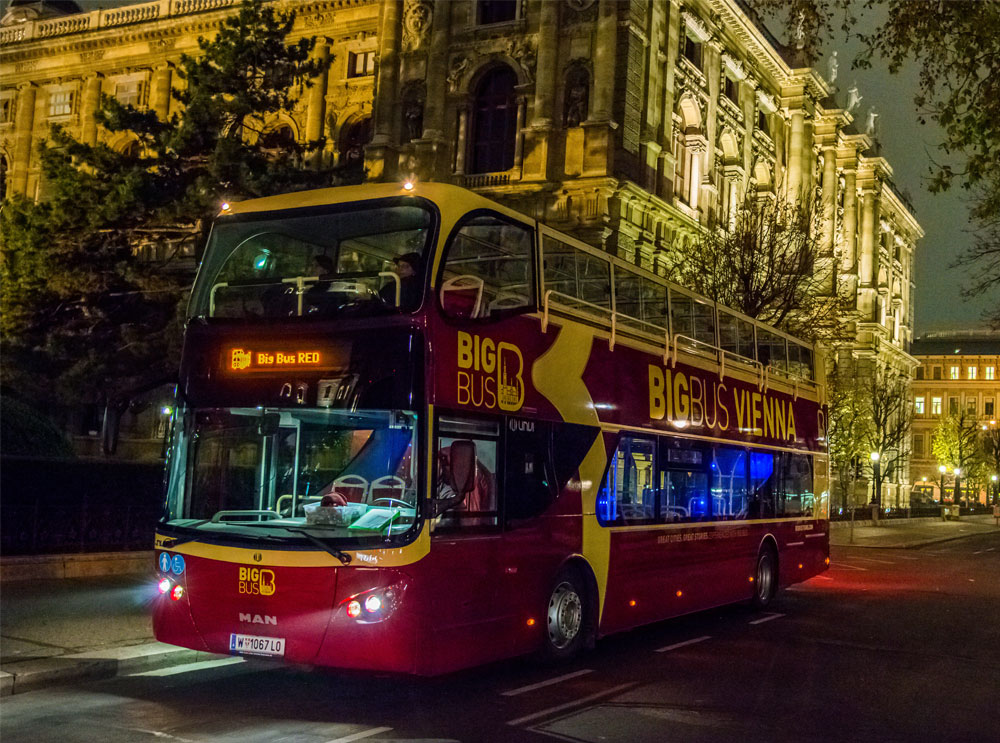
point(991, 455)
point(891, 418)
point(763, 263)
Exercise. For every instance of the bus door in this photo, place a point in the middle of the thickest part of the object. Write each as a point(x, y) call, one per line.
point(464, 559)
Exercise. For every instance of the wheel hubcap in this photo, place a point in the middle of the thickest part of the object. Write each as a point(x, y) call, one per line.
point(764, 577)
point(565, 615)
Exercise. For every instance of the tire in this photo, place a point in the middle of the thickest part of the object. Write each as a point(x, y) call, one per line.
point(566, 617)
point(765, 578)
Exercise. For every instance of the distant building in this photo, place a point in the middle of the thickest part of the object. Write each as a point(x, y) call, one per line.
point(959, 372)
point(632, 125)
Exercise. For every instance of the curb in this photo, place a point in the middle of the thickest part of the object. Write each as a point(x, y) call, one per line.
point(90, 564)
point(30, 675)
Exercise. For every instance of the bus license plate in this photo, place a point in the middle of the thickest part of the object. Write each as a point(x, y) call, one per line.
point(256, 645)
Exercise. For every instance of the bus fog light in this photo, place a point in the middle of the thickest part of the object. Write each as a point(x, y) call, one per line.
point(163, 585)
point(177, 593)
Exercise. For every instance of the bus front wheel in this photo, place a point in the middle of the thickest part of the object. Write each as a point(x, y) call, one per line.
point(565, 616)
point(765, 578)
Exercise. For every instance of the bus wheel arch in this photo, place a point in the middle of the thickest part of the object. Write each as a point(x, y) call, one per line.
point(766, 572)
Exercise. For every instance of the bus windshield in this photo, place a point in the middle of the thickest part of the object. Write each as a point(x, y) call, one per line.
point(346, 476)
point(304, 263)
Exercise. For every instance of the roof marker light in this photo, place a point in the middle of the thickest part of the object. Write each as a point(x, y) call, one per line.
point(225, 206)
point(407, 185)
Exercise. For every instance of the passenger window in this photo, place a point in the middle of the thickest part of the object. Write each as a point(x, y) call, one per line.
point(629, 492)
point(763, 485)
point(684, 483)
point(466, 454)
point(639, 302)
point(729, 483)
point(488, 269)
point(528, 485)
point(796, 497)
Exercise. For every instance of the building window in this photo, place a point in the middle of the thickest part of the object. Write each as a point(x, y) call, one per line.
point(6, 110)
point(494, 122)
point(3, 178)
point(991, 372)
point(496, 11)
point(952, 406)
point(918, 445)
point(970, 406)
point(762, 123)
point(353, 141)
point(988, 407)
point(129, 93)
point(937, 372)
point(970, 372)
point(918, 405)
point(731, 88)
point(61, 103)
point(920, 372)
point(953, 372)
point(935, 406)
point(360, 64)
point(691, 49)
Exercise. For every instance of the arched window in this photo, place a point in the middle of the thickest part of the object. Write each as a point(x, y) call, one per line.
point(494, 122)
point(279, 138)
point(353, 140)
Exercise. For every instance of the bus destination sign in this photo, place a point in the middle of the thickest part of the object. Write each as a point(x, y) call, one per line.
point(244, 360)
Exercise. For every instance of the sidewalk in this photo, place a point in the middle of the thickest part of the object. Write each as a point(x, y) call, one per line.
point(910, 533)
point(93, 621)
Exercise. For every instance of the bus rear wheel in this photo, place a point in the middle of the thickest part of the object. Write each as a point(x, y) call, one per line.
point(565, 617)
point(765, 578)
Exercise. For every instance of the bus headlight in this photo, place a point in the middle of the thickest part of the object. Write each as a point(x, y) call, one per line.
point(373, 605)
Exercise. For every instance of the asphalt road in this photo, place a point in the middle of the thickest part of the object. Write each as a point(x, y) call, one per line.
point(889, 645)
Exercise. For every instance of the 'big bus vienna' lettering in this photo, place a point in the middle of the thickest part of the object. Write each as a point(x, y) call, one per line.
point(490, 374)
point(689, 399)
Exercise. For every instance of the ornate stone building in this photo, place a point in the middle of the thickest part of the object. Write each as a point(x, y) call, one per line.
point(632, 124)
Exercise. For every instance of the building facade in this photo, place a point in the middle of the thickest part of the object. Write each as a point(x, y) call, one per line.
point(631, 124)
point(959, 374)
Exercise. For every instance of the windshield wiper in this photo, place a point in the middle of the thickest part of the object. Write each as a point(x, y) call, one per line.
point(342, 556)
point(178, 541)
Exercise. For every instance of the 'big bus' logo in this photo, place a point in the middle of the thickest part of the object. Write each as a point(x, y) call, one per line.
point(490, 374)
point(257, 581)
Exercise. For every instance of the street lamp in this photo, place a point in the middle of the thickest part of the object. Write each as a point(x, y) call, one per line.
point(876, 484)
point(996, 489)
point(942, 469)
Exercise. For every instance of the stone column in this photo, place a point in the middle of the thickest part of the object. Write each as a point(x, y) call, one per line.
point(869, 241)
point(23, 125)
point(522, 104)
point(316, 113)
point(437, 71)
point(829, 198)
point(604, 60)
point(794, 173)
point(460, 144)
point(386, 99)
point(545, 68)
point(850, 231)
point(159, 99)
point(88, 107)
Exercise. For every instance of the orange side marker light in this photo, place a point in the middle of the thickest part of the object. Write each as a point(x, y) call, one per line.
point(680, 593)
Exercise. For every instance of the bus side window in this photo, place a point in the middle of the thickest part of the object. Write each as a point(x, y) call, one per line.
point(478, 510)
point(763, 484)
point(528, 483)
point(796, 497)
point(729, 483)
point(629, 492)
point(488, 269)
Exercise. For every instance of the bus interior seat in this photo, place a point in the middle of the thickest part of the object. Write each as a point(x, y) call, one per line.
point(507, 301)
point(354, 488)
point(462, 295)
point(388, 486)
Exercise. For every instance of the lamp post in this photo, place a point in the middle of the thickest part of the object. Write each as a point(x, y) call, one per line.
point(942, 469)
point(996, 489)
point(958, 484)
point(876, 486)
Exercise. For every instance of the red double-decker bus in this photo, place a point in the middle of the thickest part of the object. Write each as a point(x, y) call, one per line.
point(417, 431)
